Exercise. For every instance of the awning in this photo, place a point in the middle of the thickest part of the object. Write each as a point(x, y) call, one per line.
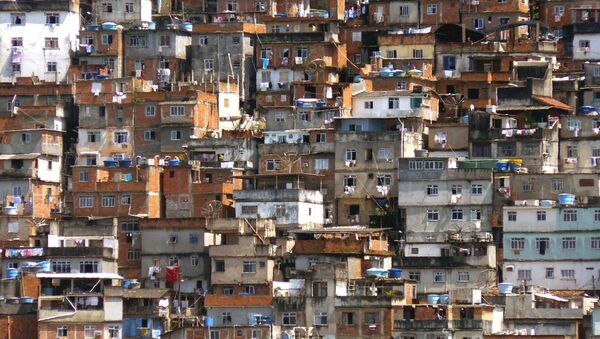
point(551, 297)
point(79, 275)
point(549, 101)
point(19, 156)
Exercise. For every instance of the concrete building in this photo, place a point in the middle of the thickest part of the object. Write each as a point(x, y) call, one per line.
point(447, 240)
point(40, 38)
point(77, 304)
point(542, 248)
point(126, 13)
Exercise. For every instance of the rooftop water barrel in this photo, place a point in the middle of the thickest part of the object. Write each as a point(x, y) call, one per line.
point(125, 163)
point(110, 163)
point(433, 298)
point(566, 199)
point(109, 26)
point(11, 273)
point(209, 322)
point(357, 78)
point(26, 300)
point(152, 25)
point(174, 162)
point(505, 287)
point(92, 27)
point(186, 26)
point(377, 272)
point(444, 299)
point(394, 273)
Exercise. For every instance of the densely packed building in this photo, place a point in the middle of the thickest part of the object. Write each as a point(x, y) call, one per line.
point(300, 169)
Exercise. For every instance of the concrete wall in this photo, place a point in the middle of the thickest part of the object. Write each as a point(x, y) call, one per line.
point(585, 272)
point(142, 11)
point(34, 54)
point(590, 53)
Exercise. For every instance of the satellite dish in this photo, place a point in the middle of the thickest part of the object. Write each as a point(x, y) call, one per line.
point(211, 209)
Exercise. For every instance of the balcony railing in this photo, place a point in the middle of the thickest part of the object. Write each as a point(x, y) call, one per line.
point(420, 324)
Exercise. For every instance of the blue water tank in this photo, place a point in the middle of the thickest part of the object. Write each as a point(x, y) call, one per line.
point(110, 163)
point(209, 322)
point(26, 300)
point(174, 162)
point(11, 273)
point(125, 163)
point(444, 299)
point(186, 26)
point(566, 199)
point(505, 287)
point(394, 273)
point(109, 26)
point(433, 298)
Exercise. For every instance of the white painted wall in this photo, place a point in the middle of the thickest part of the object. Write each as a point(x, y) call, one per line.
point(142, 11)
point(591, 53)
point(34, 56)
point(584, 271)
point(46, 174)
point(295, 212)
point(229, 110)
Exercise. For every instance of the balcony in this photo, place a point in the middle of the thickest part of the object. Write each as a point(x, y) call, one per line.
point(243, 226)
point(486, 76)
point(450, 261)
point(368, 301)
point(470, 324)
point(103, 252)
point(308, 148)
point(298, 38)
point(420, 324)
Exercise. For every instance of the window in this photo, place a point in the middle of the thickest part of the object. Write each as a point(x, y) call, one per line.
point(477, 189)
point(358, 59)
point(528, 186)
point(391, 54)
point(249, 209)
point(404, 11)
point(320, 318)
point(506, 149)
point(107, 7)
point(530, 149)
point(225, 318)
point(150, 111)
point(137, 41)
point(433, 215)
point(524, 274)
point(232, 5)
point(215, 335)
point(542, 245)
point(512, 216)
point(414, 276)
point(567, 274)
point(319, 289)
point(209, 64)
point(557, 185)
point(517, 243)
point(559, 9)
point(541, 215)
point(133, 255)
point(126, 199)
point(88, 266)
point(417, 53)
point(570, 215)
point(175, 135)
point(149, 135)
point(108, 201)
point(368, 104)
point(52, 19)
point(85, 201)
point(51, 66)
point(572, 152)
point(93, 137)
point(384, 180)
point(272, 165)
point(194, 260)
point(596, 215)
point(321, 164)
point(449, 62)
point(172, 261)
point(431, 9)
point(288, 319)
point(219, 265)
point(89, 332)
point(596, 243)
point(62, 331)
point(414, 250)
point(584, 44)
point(129, 8)
point(549, 272)
point(51, 43)
point(393, 103)
point(235, 40)
point(17, 18)
point(83, 176)
point(107, 39)
point(357, 36)
point(478, 23)
point(121, 137)
point(193, 238)
point(321, 137)
point(61, 266)
point(371, 318)
point(439, 277)
point(355, 127)
point(114, 332)
point(384, 154)
point(569, 243)
point(348, 318)
point(249, 267)
point(457, 214)
point(475, 214)
point(302, 52)
point(463, 276)
point(177, 110)
point(203, 40)
point(350, 154)
point(350, 181)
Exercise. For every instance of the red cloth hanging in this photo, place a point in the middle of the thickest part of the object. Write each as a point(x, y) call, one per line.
point(172, 275)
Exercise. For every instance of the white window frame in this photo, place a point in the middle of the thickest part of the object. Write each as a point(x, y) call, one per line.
point(109, 201)
point(86, 201)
